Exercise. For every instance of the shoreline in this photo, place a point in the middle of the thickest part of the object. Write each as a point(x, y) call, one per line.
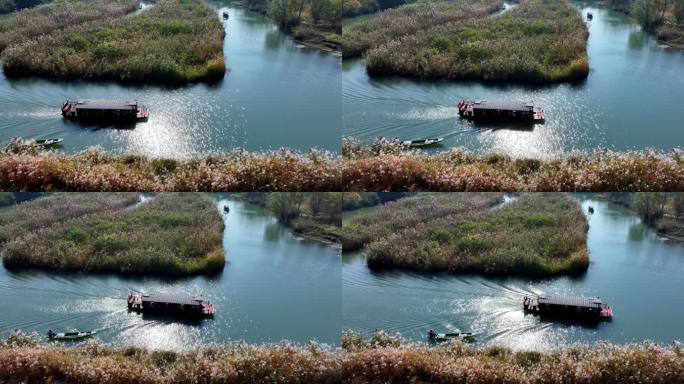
point(655, 33)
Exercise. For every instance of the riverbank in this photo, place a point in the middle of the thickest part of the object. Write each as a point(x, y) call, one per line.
point(22, 359)
point(388, 359)
point(385, 167)
point(662, 212)
point(313, 216)
point(669, 32)
point(322, 32)
point(25, 168)
point(538, 235)
point(175, 41)
point(539, 41)
point(360, 362)
point(173, 234)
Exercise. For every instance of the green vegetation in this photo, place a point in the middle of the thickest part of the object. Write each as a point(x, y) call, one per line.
point(360, 7)
point(385, 359)
point(537, 234)
point(540, 41)
point(398, 216)
point(409, 20)
point(174, 234)
point(663, 212)
point(176, 41)
point(311, 215)
point(31, 24)
point(25, 168)
point(387, 167)
point(356, 200)
point(316, 23)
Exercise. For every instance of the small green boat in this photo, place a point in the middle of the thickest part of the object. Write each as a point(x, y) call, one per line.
point(466, 337)
point(66, 336)
point(48, 142)
point(422, 142)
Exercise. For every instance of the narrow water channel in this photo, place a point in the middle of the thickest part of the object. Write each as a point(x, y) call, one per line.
point(632, 269)
point(276, 94)
point(630, 100)
point(274, 287)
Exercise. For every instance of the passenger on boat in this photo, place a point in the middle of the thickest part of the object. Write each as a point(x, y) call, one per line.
point(51, 334)
point(432, 334)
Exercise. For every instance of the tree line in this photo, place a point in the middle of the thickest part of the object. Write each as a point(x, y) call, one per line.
point(651, 13)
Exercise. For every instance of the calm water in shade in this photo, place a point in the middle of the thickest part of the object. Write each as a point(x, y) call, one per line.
point(631, 100)
point(632, 269)
point(275, 94)
point(274, 287)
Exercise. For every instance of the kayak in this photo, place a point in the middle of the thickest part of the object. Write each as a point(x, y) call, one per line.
point(463, 336)
point(48, 142)
point(422, 142)
point(71, 335)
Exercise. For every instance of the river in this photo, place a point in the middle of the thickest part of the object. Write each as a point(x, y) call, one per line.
point(274, 287)
point(275, 94)
point(632, 269)
point(630, 100)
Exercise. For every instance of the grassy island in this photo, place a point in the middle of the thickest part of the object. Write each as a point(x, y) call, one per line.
point(542, 41)
point(386, 167)
point(173, 234)
point(25, 168)
point(536, 234)
point(175, 41)
point(375, 223)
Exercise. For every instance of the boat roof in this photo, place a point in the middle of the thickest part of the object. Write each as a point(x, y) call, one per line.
point(503, 105)
point(106, 104)
point(574, 301)
point(172, 298)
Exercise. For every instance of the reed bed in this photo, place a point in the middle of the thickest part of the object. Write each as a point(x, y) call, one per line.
point(391, 25)
point(31, 23)
point(390, 360)
point(380, 360)
point(27, 362)
point(52, 209)
point(540, 41)
point(398, 216)
point(237, 171)
point(174, 234)
point(176, 41)
point(383, 167)
point(537, 234)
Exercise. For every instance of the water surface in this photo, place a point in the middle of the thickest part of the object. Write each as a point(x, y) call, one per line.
point(630, 100)
point(276, 94)
point(274, 287)
point(632, 269)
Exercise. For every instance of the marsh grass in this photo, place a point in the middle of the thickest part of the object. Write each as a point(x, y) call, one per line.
point(543, 41)
point(52, 209)
point(395, 361)
point(376, 168)
point(536, 234)
point(393, 24)
point(379, 359)
point(395, 217)
point(176, 41)
point(95, 170)
point(26, 25)
point(174, 234)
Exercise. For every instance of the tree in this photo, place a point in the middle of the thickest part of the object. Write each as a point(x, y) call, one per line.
point(650, 13)
point(650, 206)
point(678, 10)
point(678, 203)
point(287, 206)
